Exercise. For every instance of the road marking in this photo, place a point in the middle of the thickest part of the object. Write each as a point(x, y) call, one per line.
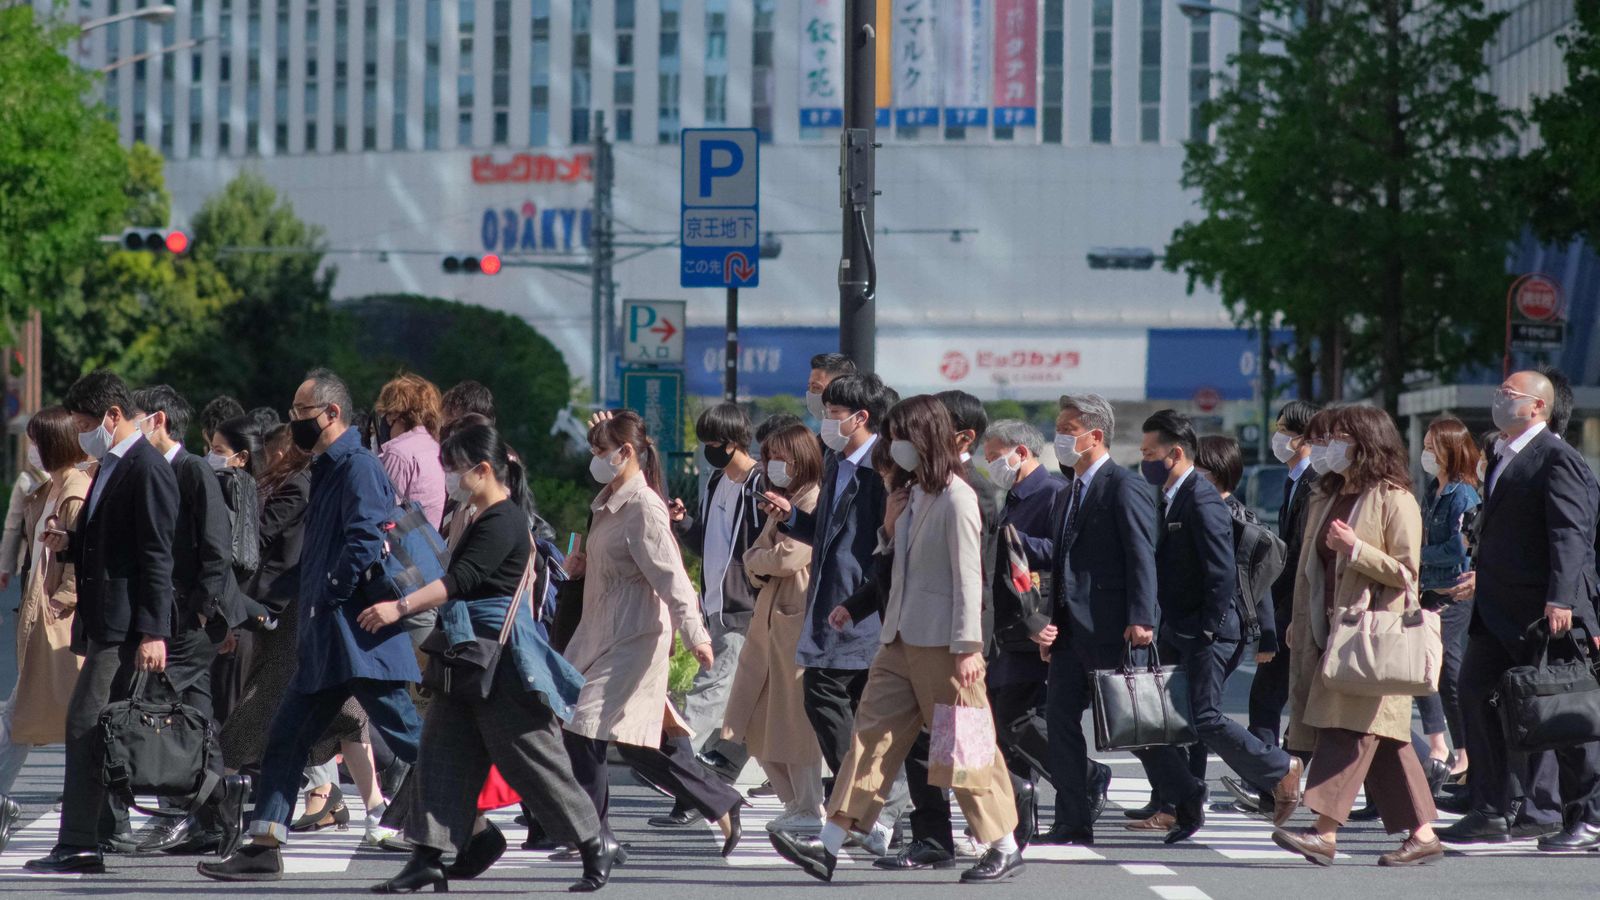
point(1179, 892)
point(1148, 870)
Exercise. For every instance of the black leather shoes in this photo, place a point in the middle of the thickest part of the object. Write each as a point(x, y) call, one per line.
point(919, 854)
point(10, 818)
point(1367, 813)
point(482, 851)
point(232, 795)
point(1533, 831)
point(599, 855)
point(253, 862)
point(1438, 772)
point(730, 841)
point(1082, 837)
point(725, 768)
point(1151, 808)
point(1578, 837)
point(994, 866)
point(807, 853)
point(678, 818)
point(121, 842)
point(422, 870)
point(391, 779)
point(171, 834)
point(1246, 798)
point(1191, 815)
point(1027, 811)
point(1099, 790)
point(1477, 828)
point(68, 861)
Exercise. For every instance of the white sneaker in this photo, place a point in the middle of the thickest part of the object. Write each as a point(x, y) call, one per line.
point(797, 821)
point(377, 834)
point(875, 843)
point(969, 847)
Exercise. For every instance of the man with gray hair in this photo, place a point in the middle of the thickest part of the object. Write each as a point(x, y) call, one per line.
point(351, 503)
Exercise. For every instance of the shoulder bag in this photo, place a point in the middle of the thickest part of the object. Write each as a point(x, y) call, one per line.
point(1549, 705)
point(1141, 707)
point(1375, 653)
point(466, 670)
point(155, 745)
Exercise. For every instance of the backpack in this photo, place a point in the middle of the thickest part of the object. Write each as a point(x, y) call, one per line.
point(1020, 607)
point(244, 519)
point(1259, 555)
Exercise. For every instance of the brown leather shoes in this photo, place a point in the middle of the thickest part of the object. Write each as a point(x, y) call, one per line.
point(1162, 822)
point(1286, 793)
point(1413, 853)
point(1306, 843)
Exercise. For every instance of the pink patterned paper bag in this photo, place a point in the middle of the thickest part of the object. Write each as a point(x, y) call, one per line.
point(962, 747)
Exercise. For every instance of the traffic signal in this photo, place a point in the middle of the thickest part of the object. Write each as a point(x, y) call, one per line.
point(154, 240)
point(487, 264)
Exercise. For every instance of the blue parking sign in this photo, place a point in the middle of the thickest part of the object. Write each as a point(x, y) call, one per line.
point(720, 215)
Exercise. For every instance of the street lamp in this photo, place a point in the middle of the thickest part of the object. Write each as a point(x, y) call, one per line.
point(1197, 9)
point(141, 57)
point(154, 14)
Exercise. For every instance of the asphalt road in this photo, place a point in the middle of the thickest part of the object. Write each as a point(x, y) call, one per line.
point(1233, 857)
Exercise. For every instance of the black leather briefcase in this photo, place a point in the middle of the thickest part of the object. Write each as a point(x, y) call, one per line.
point(1141, 706)
point(1549, 704)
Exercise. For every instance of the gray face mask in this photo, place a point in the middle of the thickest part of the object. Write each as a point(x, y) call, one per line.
point(1505, 414)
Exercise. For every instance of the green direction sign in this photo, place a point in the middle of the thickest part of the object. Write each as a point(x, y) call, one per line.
point(657, 396)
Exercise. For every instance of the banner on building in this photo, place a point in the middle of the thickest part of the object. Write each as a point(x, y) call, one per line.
point(964, 61)
point(883, 51)
point(1019, 365)
point(821, 63)
point(1016, 45)
point(916, 63)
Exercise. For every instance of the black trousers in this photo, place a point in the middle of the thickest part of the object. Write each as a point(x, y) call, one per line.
point(1208, 666)
point(1269, 693)
point(671, 766)
point(190, 656)
point(831, 697)
point(86, 816)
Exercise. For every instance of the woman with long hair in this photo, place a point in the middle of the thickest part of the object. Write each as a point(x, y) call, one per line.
point(1363, 539)
point(635, 594)
point(766, 706)
point(931, 653)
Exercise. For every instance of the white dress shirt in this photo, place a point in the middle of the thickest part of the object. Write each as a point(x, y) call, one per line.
point(1506, 451)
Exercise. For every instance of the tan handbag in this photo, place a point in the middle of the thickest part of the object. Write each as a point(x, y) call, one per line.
point(1374, 653)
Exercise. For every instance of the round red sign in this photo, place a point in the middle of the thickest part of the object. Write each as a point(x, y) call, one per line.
point(1207, 398)
point(1538, 298)
point(955, 366)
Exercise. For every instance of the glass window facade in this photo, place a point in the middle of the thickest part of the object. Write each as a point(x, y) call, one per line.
point(1199, 76)
point(716, 97)
point(1100, 73)
point(763, 73)
point(582, 87)
point(539, 76)
point(668, 117)
point(1150, 71)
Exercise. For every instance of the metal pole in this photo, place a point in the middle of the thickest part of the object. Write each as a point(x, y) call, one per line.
point(1264, 371)
point(600, 261)
point(730, 376)
point(857, 269)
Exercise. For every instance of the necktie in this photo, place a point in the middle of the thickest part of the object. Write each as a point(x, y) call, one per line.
point(1288, 499)
point(1072, 506)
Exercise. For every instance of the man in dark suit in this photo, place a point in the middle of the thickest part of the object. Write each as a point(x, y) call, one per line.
point(1536, 562)
point(122, 553)
point(843, 533)
point(1198, 587)
point(1103, 581)
point(208, 604)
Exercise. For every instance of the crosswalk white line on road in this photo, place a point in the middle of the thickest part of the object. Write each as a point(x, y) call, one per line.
point(1147, 870)
point(1179, 892)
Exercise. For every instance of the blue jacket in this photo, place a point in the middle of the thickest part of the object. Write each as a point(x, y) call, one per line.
point(351, 500)
point(543, 670)
point(1196, 581)
point(1444, 547)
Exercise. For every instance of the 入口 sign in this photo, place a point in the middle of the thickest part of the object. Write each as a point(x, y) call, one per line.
point(652, 332)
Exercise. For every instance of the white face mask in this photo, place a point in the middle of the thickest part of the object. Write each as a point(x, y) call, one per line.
point(1483, 470)
point(1339, 456)
point(96, 443)
point(605, 469)
point(218, 461)
point(833, 437)
point(1003, 471)
point(1280, 447)
point(454, 489)
point(815, 407)
point(142, 422)
point(778, 473)
point(1430, 462)
point(1319, 459)
point(905, 455)
point(1067, 452)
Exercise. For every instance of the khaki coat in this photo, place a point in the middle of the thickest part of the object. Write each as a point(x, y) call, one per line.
point(47, 669)
point(1388, 523)
point(635, 592)
point(766, 707)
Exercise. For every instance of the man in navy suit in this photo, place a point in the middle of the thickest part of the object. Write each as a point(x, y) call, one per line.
point(1103, 581)
point(1535, 563)
point(1198, 587)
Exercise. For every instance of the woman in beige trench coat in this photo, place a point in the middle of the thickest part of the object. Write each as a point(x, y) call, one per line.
point(635, 593)
point(47, 669)
point(1364, 533)
point(766, 707)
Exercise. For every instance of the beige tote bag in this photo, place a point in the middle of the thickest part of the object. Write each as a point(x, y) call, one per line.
point(1373, 653)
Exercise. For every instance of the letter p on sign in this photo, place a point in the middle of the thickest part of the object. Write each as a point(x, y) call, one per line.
point(719, 168)
point(718, 159)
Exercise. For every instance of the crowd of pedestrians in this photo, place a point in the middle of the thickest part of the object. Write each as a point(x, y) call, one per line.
point(901, 608)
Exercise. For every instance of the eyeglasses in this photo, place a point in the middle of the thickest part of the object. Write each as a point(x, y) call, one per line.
point(309, 411)
point(1510, 394)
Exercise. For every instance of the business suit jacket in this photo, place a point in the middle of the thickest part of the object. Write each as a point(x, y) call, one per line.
point(122, 551)
point(843, 535)
point(1196, 580)
point(936, 592)
point(202, 546)
point(1292, 528)
point(1104, 570)
point(1537, 544)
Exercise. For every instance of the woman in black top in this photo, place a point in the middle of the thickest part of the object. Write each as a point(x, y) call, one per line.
point(517, 728)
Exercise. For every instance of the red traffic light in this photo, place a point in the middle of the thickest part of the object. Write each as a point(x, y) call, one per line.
point(177, 242)
point(490, 264)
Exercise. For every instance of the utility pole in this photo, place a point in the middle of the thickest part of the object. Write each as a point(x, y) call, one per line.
point(730, 377)
point(602, 253)
point(858, 276)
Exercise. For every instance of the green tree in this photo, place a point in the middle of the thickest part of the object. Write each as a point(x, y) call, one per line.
point(1564, 173)
point(1364, 187)
point(61, 168)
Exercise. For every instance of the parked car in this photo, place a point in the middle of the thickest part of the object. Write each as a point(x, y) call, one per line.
point(1261, 489)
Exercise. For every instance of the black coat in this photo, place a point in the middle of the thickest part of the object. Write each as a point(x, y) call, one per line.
point(1537, 544)
point(276, 583)
point(122, 551)
point(202, 547)
point(1197, 582)
point(1103, 575)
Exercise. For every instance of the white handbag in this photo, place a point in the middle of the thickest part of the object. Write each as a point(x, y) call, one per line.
point(1375, 653)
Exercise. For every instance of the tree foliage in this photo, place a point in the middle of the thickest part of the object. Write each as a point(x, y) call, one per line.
point(1564, 173)
point(1362, 186)
point(61, 169)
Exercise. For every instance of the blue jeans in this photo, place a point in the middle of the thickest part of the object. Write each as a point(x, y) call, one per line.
point(1442, 711)
point(303, 718)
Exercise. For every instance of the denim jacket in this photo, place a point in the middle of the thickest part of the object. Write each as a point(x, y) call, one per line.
point(1444, 549)
point(543, 670)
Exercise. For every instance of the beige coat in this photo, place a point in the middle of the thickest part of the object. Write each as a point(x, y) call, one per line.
point(635, 591)
point(1388, 523)
point(47, 669)
point(766, 707)
point(936, 593)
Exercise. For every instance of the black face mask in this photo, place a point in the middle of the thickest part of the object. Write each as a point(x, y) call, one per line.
point(306, 432)
point(382, 431)
point(718, 457)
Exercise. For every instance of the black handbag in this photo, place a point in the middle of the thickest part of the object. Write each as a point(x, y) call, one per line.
point(1137, 707)
point(1549, 705)
point(467, 670)
point(155, 745)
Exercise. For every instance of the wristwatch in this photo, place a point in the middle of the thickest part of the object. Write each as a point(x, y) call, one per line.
point(403, 606)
